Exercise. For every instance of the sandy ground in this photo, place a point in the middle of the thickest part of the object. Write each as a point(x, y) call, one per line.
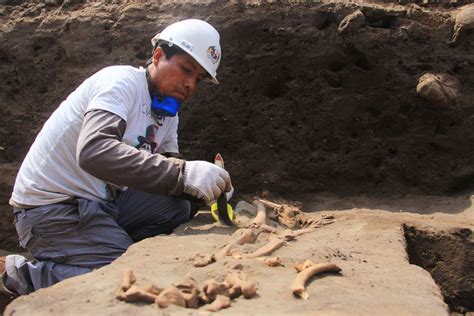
point(366, 241)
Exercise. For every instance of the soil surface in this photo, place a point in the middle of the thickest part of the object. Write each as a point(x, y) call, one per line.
point(301, 109)
point(366, 241)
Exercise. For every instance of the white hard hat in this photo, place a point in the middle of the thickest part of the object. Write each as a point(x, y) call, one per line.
point(198, 39)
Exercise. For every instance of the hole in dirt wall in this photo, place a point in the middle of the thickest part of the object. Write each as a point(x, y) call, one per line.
point(449, 258)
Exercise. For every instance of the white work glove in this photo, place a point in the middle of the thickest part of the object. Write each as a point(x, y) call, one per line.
point(205, 180)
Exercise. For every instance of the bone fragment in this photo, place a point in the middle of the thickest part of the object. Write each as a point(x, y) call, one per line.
point(267, 249)
point(247, 288)
point(288, 215)
point(136, 294)
point(247, 236)
point(128, 279)
point(298, 286)
point(234, 291)
point(191, 299)
point(169, 296)
point(273, 262)
point(304, 265)
point(190, 291)
point(211, 288)
point(261, 218)
point(219, 303)
point(289, 234)
point(201, 260)
point(273, 204)
point(153, 289)
point(268, 229)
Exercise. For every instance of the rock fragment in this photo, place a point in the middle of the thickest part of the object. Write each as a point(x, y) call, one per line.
point(464, 21)
point(351, 22)
point(438, 87)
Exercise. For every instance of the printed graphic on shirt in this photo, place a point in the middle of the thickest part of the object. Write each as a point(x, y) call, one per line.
point(148, 142)
point(160, 119)
point(146, 109)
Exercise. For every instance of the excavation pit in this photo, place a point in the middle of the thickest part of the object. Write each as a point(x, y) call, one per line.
point(449, 258)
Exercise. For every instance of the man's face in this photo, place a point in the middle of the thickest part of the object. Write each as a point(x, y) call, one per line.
point(177, 76)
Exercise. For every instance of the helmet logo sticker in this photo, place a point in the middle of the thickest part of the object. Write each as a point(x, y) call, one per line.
point(213, 54)
point(187, 45)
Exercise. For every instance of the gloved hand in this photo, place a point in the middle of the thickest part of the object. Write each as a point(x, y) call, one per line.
point(205, 180)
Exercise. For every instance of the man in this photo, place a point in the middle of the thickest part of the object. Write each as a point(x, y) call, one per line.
point(97, 179)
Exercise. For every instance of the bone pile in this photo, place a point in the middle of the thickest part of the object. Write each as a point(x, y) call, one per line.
point(275, 235)
point(188, 294)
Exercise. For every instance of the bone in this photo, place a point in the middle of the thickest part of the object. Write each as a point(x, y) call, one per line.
point(261, 218)
point(136, 294)
point(267, 249)
point(289, 234)
point(211, 288)
point(273, 262)
point(247, 236)
point(191, 299)
point(190, 291)
point(170, 296)
point(272, 204)
point(287, 215)
point(298, 287)
point(128, 279)
point(325, 219)
point(268, 229)
point(234, 291)
point(304, 265)
point(247, 288)
point(153, 289)
point(219, 303)
point(201, 260)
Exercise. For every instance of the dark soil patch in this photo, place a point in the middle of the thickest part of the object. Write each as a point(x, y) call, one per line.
point(449, 257)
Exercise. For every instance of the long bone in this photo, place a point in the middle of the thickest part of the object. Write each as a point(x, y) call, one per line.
point(269, 248)
point(136, 294)
point(219, 303)
point(247, 236)
point(128, 279)
point(238, 286)
point(261, 218)
point(298, 287)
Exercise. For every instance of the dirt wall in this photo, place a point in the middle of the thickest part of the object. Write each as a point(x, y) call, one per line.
point(300, 107)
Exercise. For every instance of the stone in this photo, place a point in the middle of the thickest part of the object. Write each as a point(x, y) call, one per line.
point(351, 22)
point(438, 87)
point(464, 21)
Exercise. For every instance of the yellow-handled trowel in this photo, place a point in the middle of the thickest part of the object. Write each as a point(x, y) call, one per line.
point(222, 211)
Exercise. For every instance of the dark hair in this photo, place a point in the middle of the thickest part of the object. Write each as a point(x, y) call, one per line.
point(169, 51)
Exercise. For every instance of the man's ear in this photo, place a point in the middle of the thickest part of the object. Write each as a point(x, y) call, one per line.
point(157, 55)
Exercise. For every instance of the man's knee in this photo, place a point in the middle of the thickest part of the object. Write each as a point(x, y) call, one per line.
point(183, 211)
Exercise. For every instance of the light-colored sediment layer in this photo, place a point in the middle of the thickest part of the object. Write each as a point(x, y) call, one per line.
point(368, 245)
